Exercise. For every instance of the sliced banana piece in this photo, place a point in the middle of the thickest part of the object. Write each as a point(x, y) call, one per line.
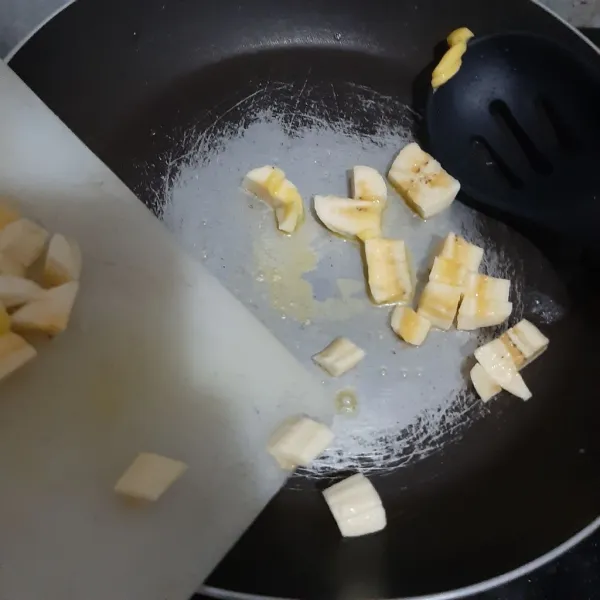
point(463, 252)
point(484, 286)
point(270, 185)
point(348, 217)
point(389, 271)
point(498, 363)
point(529, 341)
point(149, 477)
point(439, 304)
point(14, 353)
point(485, 386)
point(16, 291)
point(409, 325)
point(366, 183)
point(298, 441)
point(451, 272)
point(476, 312)
point(339, 357)
point(63, 261)
point(50, 313)
point(420, 179)
point(356, 506)
point(22, 241)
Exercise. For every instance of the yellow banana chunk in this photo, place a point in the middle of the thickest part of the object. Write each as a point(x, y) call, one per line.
point(298, 441)
point(410, 326)
point(367, 184)
point(484, 286)
point(63, 261)
point(485, 386)
point(270, 185)
point(14, 353)
point(348, 217)
point(439, 304)
point(451, 62)
point(356, 506)
point(389, 271)
point(458, 249)
point(149, 477)
point(22, 242)
point(475, 313)
point(420, 179)
point(498, 363)
point(16, 291)
point(451, 272)
point(339, 357)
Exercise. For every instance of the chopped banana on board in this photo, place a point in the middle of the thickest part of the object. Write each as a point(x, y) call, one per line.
point(484, 286)
point(16, 291)
point(439, 304)
point(451, 272)
point(389, 271)
point(14, 353)
point(484, 385)
point(22, 241)
point(528, 340)
point(463, 252)
point(475, 312)
point(420, 179)
point(366, 183)
point(63, 261)
point(410, 326)
point(50, 313)
point(339, 357)
point(348, 217)
point(149, 477)
point(270, 185)
point(356, 506)
point(498, 363)
point(298, 441)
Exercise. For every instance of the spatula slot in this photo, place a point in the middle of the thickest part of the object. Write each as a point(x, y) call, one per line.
point(507, 121)
point(487, 156)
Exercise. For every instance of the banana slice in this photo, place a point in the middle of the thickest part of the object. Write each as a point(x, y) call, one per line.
point(298, 441)
point(22, 241)
point(451, 272)
point(367, 184)
point(16, 291)
point(484, 286)
point(463, 252)
point(50, 313)
point(389, 271)
point(63, 261)
point(149, 477)
point(339, 357)
point(475, 313)
point(270, 185)
point(439, 304)
point(496, 360)
point(485, 386)
point(356, 506)
point(528, 340)
point(410, 326)
point(422, 182)
point(350, 218)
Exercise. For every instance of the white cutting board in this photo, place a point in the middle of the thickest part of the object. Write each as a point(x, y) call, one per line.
point(159, 358)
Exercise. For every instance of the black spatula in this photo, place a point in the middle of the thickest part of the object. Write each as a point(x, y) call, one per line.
point(519, 127)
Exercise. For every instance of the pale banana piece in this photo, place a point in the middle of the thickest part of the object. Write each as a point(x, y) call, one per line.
point(420, 179)
point(339, 357)
point(270, 185)
point(439, 304)
point(10, 267)
point(149, 477)
point(348, 217)
point(50, 313)
point(298, 441)
point(16, 291)
point(15, 352)
point(63, 261)
point(366, 183)
point(463, 252)
point(451, 272)
point(409, 325)
point(389, 271)
point(485, 386)
point(484, 286)
point(476, 312)
point(528, 340)
point(23, 241)
point(498, 363)
point(356, 506)
point(7, 215)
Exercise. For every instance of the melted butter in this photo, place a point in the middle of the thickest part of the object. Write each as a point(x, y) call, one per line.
point(451, 62)
point(346, 402)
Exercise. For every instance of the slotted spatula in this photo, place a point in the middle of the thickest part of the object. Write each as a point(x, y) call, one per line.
point(519, 127)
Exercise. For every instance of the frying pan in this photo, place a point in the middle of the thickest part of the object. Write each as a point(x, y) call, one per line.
point(488, 493)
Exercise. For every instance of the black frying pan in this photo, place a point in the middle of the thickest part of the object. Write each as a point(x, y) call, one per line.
point(129, 76)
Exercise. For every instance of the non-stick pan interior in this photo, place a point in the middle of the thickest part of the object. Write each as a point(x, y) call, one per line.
point(181, 113)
